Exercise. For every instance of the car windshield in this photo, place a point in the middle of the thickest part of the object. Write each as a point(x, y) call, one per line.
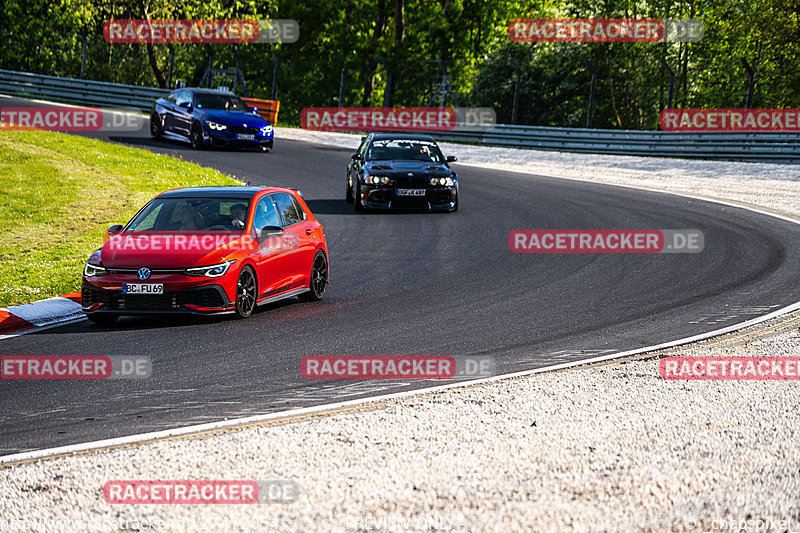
point(226, 102)
point(191, 214)
point(405, 149)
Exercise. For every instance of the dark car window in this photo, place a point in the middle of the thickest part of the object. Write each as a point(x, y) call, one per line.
point(363, 148)
point(290, 210)
point(225, 102)
point(266, 214)
point(404, 149)
point(173, 97)
point(184, 97)
point(187, 214)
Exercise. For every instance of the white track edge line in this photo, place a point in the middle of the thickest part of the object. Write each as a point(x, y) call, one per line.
point(188, 430)
point(211, 426)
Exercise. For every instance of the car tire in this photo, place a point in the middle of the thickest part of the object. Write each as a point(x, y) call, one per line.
point(349, 195)
point(455, 207)
point(102, 319)
point(246, 292)
point(357, 196)
point(319, 279)
point(155, 127)
point(196, 136)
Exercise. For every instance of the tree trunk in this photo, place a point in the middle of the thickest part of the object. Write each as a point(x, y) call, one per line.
point(151, 53)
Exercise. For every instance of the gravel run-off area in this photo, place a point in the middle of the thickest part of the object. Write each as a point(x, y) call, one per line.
point(614, 448)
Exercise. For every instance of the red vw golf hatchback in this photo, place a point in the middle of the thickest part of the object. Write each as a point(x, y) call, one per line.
point(208, 250)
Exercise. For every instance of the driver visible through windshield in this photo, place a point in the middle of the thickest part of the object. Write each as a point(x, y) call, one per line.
point(399, 149)
point(191, 214)
point(224, 102)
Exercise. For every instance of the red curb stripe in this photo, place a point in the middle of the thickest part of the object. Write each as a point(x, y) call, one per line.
point(10, 323)
point(74, 296)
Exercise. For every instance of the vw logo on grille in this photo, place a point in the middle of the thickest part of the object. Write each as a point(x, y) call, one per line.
point(143, 273)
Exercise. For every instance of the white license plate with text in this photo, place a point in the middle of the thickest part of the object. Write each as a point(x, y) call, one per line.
point(410, 192)
point(142, 288)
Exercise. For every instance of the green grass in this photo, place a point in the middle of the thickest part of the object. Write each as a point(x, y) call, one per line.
point(59, 193)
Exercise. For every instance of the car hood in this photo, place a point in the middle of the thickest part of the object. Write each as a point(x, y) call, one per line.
point(234, 118)
point(405, 168)
point(170, 250)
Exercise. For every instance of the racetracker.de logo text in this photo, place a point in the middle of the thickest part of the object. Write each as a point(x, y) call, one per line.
point(602, 30)
point(606, 241)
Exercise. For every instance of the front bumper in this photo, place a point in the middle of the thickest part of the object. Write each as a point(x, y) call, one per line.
point(228, 139)
point(435, 199)
point(206, 299)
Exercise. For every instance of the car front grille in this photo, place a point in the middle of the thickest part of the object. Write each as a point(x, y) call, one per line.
point(169, 301)
point(405, 182)
point(242, 129)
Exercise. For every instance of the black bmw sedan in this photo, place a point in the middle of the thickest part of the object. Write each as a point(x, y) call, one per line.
point(400, 171)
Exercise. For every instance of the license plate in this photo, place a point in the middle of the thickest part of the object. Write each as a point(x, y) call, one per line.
point(410, 192)
point(245, 136)
point(142, 288)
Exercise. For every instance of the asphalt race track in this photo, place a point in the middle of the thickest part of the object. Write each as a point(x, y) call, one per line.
point(408, 283)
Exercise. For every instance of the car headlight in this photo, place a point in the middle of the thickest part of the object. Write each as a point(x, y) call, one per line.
point(378, 180)
point(266, 129)
point(216, 126)
point(91, 270)
point(211, 271)
point(442, 182)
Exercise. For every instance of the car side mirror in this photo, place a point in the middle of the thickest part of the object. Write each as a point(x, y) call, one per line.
point(451, 158)
point(268, 232)
point(355, 156)
point(116, 228)
point(187, 105)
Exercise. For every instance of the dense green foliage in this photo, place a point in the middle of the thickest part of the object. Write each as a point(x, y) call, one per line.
point(469, 36)
point(59, 193)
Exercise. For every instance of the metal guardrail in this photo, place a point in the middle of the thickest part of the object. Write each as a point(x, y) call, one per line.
point(769, 147)
point(83, 92)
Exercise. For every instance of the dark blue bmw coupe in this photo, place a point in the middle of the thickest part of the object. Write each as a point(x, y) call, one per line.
point(206, 117)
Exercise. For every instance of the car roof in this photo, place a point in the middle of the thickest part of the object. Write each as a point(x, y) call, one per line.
point(401, 136)
point(244, 193)
point(203, 90)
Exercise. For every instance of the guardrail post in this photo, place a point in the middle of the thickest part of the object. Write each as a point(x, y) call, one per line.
point(671, 81)
point(517, 74)
point(590, 111)
point(750, 82)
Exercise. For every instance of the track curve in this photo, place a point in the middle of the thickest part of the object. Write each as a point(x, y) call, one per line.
point(413, 284)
